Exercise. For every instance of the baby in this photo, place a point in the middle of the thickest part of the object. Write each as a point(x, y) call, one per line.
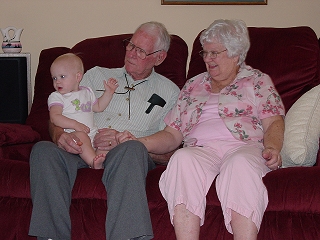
point(71, 106)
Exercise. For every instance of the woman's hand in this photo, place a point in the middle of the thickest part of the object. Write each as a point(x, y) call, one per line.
point(105, 139)
point(273, 158)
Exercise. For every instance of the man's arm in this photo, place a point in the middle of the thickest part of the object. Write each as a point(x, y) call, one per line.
point(67, 141)
point(163, 142)
point(55, 132)
point(162, 159)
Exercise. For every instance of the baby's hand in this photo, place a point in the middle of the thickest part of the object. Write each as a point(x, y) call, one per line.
point(110, 85)
point(81, 128)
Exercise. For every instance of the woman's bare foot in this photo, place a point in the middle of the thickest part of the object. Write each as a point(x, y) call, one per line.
point(98, 161)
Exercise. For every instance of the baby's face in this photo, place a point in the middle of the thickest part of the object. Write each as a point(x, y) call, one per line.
point(65, 78)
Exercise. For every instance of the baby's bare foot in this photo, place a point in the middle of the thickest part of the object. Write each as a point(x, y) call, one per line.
point(98, 161)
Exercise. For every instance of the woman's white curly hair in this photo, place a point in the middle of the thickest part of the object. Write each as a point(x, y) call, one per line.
point(233, 34)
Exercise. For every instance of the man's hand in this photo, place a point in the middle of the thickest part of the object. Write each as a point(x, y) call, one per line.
point(105, 139)
point(70, 142)
point(273, 158)
point(124, 136)
point(67, 141)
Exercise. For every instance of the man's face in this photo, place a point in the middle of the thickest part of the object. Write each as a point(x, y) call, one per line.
point(141, 68)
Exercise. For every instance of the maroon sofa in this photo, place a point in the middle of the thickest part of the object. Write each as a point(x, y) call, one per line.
point(289, 55)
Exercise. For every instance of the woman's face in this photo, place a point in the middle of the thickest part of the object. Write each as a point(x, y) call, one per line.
point(221, 67)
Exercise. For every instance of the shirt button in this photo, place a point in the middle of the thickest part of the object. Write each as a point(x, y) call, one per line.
point(127, 99)
point(109, 126)
point(119, 114)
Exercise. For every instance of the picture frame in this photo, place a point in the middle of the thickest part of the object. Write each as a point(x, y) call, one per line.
point(213, 2)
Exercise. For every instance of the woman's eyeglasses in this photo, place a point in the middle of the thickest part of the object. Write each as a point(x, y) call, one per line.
point(210, 54)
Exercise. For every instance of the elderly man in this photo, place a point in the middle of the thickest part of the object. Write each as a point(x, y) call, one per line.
point(53, 167)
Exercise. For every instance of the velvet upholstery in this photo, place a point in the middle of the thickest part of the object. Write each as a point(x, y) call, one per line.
point(12, 134)
point(88, 209)
point(291, 57)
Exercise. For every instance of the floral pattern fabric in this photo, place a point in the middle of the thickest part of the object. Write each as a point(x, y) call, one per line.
point(250, 98)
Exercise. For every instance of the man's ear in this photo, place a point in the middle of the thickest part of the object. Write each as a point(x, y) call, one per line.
point(161, 57)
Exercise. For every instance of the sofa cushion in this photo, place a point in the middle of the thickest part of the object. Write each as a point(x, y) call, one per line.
point(302, 132)
point(11, 134)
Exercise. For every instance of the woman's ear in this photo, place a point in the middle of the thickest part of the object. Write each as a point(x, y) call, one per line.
point(161, 57)
point(236, 59)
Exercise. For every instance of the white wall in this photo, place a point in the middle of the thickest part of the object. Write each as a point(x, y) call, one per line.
point(65, 22)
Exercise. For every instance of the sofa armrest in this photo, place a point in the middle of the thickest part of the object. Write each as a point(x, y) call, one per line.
point(14, 179)
point(11, 134)
point(294, 189)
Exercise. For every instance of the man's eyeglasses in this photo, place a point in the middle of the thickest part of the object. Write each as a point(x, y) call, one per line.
point(210, 54)
point(129, 46)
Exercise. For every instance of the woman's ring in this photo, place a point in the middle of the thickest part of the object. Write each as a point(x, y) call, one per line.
point(110, 143)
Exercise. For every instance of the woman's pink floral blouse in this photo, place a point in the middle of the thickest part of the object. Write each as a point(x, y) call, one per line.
point(250, 98)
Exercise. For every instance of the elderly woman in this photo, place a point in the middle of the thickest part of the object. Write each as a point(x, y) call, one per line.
point(230, 119)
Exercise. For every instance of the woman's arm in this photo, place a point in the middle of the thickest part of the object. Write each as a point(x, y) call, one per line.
point(273, 140)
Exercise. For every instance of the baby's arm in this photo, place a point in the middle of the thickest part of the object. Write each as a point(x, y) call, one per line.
point(58, 119)
point(110, 87)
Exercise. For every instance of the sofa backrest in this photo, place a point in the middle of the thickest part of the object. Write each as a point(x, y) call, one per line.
point(105, 51)
point(289, 55)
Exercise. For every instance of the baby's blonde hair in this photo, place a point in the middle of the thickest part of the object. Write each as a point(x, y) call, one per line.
point(72, 59)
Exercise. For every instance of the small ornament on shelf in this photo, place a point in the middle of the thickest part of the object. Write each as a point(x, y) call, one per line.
point(11, 42)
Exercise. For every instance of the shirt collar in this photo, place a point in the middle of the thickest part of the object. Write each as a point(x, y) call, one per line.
point(244, 71)
point(131, 81)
